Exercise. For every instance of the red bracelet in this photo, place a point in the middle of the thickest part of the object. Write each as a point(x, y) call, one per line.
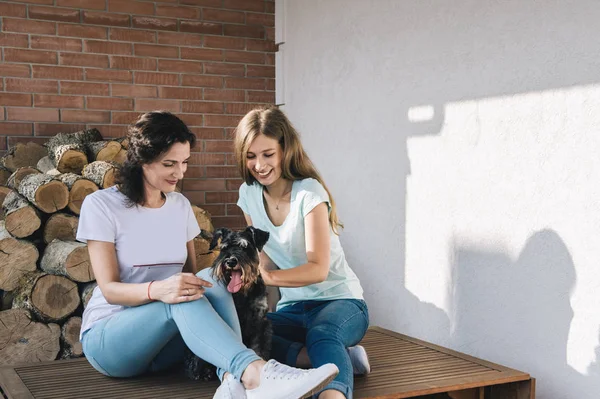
point(149, 290)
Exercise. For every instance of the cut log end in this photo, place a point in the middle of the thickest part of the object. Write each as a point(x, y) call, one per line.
point(69, 339)
point(81, 189)
point(62, 227)
point(23, 222)
point(54, 297)
point(203, 218)
point(72, 161)
point(52, 197)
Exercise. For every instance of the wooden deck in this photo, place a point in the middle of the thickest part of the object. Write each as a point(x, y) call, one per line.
point(402, 367)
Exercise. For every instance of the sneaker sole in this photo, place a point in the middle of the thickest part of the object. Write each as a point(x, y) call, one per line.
point(314, 390)
point(362, 370)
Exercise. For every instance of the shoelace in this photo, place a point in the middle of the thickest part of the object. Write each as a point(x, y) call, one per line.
point(280, 371)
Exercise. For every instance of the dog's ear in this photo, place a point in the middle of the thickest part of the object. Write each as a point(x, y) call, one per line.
point(259, 237)
point(218, 236)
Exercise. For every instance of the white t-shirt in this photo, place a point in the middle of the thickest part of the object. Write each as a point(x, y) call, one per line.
point(286, 246)
point(150, 242)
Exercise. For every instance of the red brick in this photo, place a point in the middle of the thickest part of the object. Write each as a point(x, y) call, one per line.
point(188, 93)
point(204, 184)
point(154, 23)
point(203, 158)
point(131, 7)
point(132, 35)
point(55, 43)
point(208, 132)
point(105, 18)
point(33, 56)
point(96, 89)
point(32, 85)
point(54, 14)
point(256, 32)
point(201, 54)
point(202, 107)
point(16, 129)
point(51, 129)
point(110, 130)
point(110, 103)
point(164, 10)
point(270, 59)
point(223, 196)
point(245, 57)
point(82, 116)
point(151, 50)
point(261, 97)
point(53, 101)
point(260, 19)
point(191, 119)
point(235, 17)
point(13, 10)
point(133, 63)
point(247, 5)
point(221, 120)
point(224, 42)
point(214, 209)
point(224, 95)
point(15, 100)
point(234, 210)
point(19, 70)
point(240, 108)
point(179, 66)
point(86, 4)
point(108, 75)
point(202, 81)
point(205, 28)
point(270, 85)
point(261, 45)
point(95, 46)
point(124, 118)
point(91, 32)
point(13, 40)
point(207, 3)
point(263, 71)
point(244, 83)
point(168, 79)
point(270, 7)
point(31, 114)
point(12, 141)
point(89, 60)
point(179, 39)
point(224, 69)
point(233, 184)
point(270, 33)
point(218, 145)
point(151, 105)
point(133, 91)
point(24, 26)
point(195, 197)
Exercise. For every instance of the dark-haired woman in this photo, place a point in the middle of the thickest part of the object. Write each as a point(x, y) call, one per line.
point(148, 305)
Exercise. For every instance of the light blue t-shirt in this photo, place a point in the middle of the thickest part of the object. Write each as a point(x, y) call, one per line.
point(286, 246)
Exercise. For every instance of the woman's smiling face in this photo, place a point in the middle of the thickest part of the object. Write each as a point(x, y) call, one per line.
point(164, 173)
point(264, 158)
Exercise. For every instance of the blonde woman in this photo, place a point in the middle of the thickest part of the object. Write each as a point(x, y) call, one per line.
point(321, 314)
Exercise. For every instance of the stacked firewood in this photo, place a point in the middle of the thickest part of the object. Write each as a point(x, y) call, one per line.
point(46, 278)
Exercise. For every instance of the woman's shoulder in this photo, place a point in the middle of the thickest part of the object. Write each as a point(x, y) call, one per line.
point(178, 198)
point(106, 195)
point(310, 185)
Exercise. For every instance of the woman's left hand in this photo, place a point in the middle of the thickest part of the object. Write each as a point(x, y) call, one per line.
point(266, 275)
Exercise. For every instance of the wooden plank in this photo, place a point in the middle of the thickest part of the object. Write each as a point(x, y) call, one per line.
point(12, 386)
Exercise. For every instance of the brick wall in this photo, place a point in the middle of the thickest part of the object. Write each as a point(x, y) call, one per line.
point(73, 64)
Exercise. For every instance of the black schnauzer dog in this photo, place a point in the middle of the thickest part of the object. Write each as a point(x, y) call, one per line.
point(236, 267)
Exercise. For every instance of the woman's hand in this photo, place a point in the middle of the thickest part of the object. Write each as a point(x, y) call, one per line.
point(181, 287)
point(266, 275)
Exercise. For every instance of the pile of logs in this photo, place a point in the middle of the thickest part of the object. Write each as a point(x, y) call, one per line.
point(46, 278)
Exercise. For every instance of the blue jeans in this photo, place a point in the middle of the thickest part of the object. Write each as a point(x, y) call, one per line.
point(326, 328)
point(152, 337)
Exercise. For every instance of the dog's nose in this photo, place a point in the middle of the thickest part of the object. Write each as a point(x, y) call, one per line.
point(231, 262)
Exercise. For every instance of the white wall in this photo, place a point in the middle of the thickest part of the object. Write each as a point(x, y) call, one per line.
point(461, 140)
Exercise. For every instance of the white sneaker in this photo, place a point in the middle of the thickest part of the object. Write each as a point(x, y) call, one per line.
point(278, 381)
point(230, 388)
point(359, 359)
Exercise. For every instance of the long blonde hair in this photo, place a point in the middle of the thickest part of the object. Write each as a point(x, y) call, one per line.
point(295, 165)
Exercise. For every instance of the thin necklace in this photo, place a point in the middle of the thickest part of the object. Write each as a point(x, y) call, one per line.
point(280, 198)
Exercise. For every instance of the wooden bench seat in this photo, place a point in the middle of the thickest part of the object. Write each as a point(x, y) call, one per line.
point(402, 367)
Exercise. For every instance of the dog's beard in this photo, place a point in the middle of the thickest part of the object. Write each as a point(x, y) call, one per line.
point(238, 279)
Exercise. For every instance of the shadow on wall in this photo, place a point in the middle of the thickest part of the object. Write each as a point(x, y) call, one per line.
point(524, 307)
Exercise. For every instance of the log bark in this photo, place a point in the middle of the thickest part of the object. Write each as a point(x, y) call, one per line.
point(100, 172)
point(17, 257)
point(205, 260)
point(22, 155)
point(49, 298)
point(18, 175)
point(70, 346)
point(86, 292)
point(4, 191)
point(45, 192)
point(68, 150)
point(4, 175)
point(103, 150)
point(79, 188)
point(22, 219)
point(68, 258)
point(61, 226)
point(45, 165)
point(25, 341)
point(203, 218)
point(121, 157)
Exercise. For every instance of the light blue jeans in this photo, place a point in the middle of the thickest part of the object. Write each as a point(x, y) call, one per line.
point(326, 328)
point(152, 337)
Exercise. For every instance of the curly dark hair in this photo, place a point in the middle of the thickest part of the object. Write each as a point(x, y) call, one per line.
point(150, 136)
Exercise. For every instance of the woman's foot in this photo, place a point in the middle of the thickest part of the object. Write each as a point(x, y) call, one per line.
point(359, 359)
point(278, 381)
point(230, 388)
